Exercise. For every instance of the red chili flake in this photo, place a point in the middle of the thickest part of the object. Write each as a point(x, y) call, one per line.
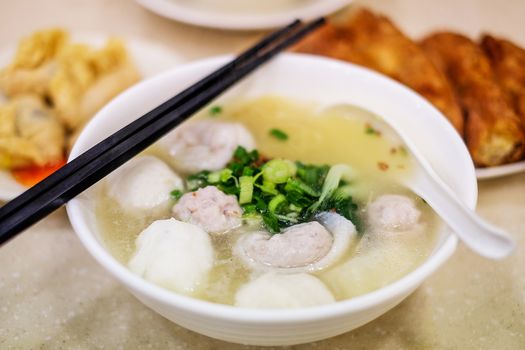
point(382, 166)
point(194, 194)
point(262, 160)
point(393, 150)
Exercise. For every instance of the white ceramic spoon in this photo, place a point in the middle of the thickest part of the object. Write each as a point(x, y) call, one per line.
point(480, 236)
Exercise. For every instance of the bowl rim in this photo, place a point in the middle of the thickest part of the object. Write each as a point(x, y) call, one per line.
point(227, 20)
point(398, 288)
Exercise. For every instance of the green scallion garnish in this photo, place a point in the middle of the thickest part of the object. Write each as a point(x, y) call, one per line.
point(215, 110)
point(279, 134)
point(176, 194)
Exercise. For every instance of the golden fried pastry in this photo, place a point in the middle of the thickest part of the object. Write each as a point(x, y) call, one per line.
point(87, 79)
point(41, 47)
point(373, 41)
point(494, 133)
point(22, 81)
point(53, 87)
point(30, 134)
point(76, 79)
point(34, 63)
point(508, 63)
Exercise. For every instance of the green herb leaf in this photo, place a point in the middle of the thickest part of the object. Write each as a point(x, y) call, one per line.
point(369, 129)
point(280, 192)
point(249, 209)
point(300, 186)
point(271, 222)
point(215, 110)
point(279, 134)
point(312, 175)
point(176, 194)
point(198, 180)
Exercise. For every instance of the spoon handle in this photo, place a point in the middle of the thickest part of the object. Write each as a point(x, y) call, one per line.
point(480, 236)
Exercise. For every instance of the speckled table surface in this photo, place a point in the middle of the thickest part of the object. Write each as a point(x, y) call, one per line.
point(53, 295)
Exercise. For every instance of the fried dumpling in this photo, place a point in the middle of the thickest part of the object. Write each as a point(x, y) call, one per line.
point(508, 63)
point(30, 134)
point(493, 132)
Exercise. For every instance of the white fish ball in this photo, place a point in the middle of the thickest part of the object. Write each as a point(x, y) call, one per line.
point(173, 254)
point(283, 291)
point(144, 183)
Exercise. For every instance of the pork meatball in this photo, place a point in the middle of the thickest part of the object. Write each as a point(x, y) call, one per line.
point(209, 208)
point(205, 145)
point(306, 247)
point(392, 212)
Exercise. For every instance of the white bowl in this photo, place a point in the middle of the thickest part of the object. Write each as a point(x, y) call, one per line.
point(312, 79)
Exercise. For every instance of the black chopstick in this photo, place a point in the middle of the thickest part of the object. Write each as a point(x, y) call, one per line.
point(51, 194)
point(130, 129)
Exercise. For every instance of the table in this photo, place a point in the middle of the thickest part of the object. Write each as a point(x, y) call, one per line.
point(53, 295)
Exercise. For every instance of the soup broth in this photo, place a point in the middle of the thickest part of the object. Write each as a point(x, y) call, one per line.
point(313, 136)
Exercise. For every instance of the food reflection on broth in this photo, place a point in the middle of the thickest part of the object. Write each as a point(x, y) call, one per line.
point(278, 197)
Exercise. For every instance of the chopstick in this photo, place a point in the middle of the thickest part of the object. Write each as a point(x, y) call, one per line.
point(112, 140)
point(109, 154)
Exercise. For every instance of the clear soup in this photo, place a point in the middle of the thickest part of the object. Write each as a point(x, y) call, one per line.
point(318, 136)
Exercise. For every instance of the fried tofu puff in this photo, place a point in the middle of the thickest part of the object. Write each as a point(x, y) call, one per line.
point(30, 134)
point(493, 132)
point(508, 63)
point(76, 79)
point(373, 41)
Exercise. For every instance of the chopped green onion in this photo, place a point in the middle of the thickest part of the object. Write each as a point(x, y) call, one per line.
point(268, 187)
point(287, 192)
point(295, 208)
point(278, 171)
point(215, 110)
point(312, 175)
point(287, 218)
point(244, 157)
point(331, 182)
point(271, 222)
point(214, 177)
point(226, 174)
point(246, 189)
point(369, 129)
point(247, 171)
point(276, 202)
point(300, 186)
point(249, 209)
point(279, 134)
point(260, 204)
point(176, 194)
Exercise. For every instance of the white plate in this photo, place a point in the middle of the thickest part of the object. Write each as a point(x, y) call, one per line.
point(502, 170)
point(149, 58)
point(242, 14)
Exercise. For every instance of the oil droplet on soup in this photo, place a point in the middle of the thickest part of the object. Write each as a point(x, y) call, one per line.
point(330, 136)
